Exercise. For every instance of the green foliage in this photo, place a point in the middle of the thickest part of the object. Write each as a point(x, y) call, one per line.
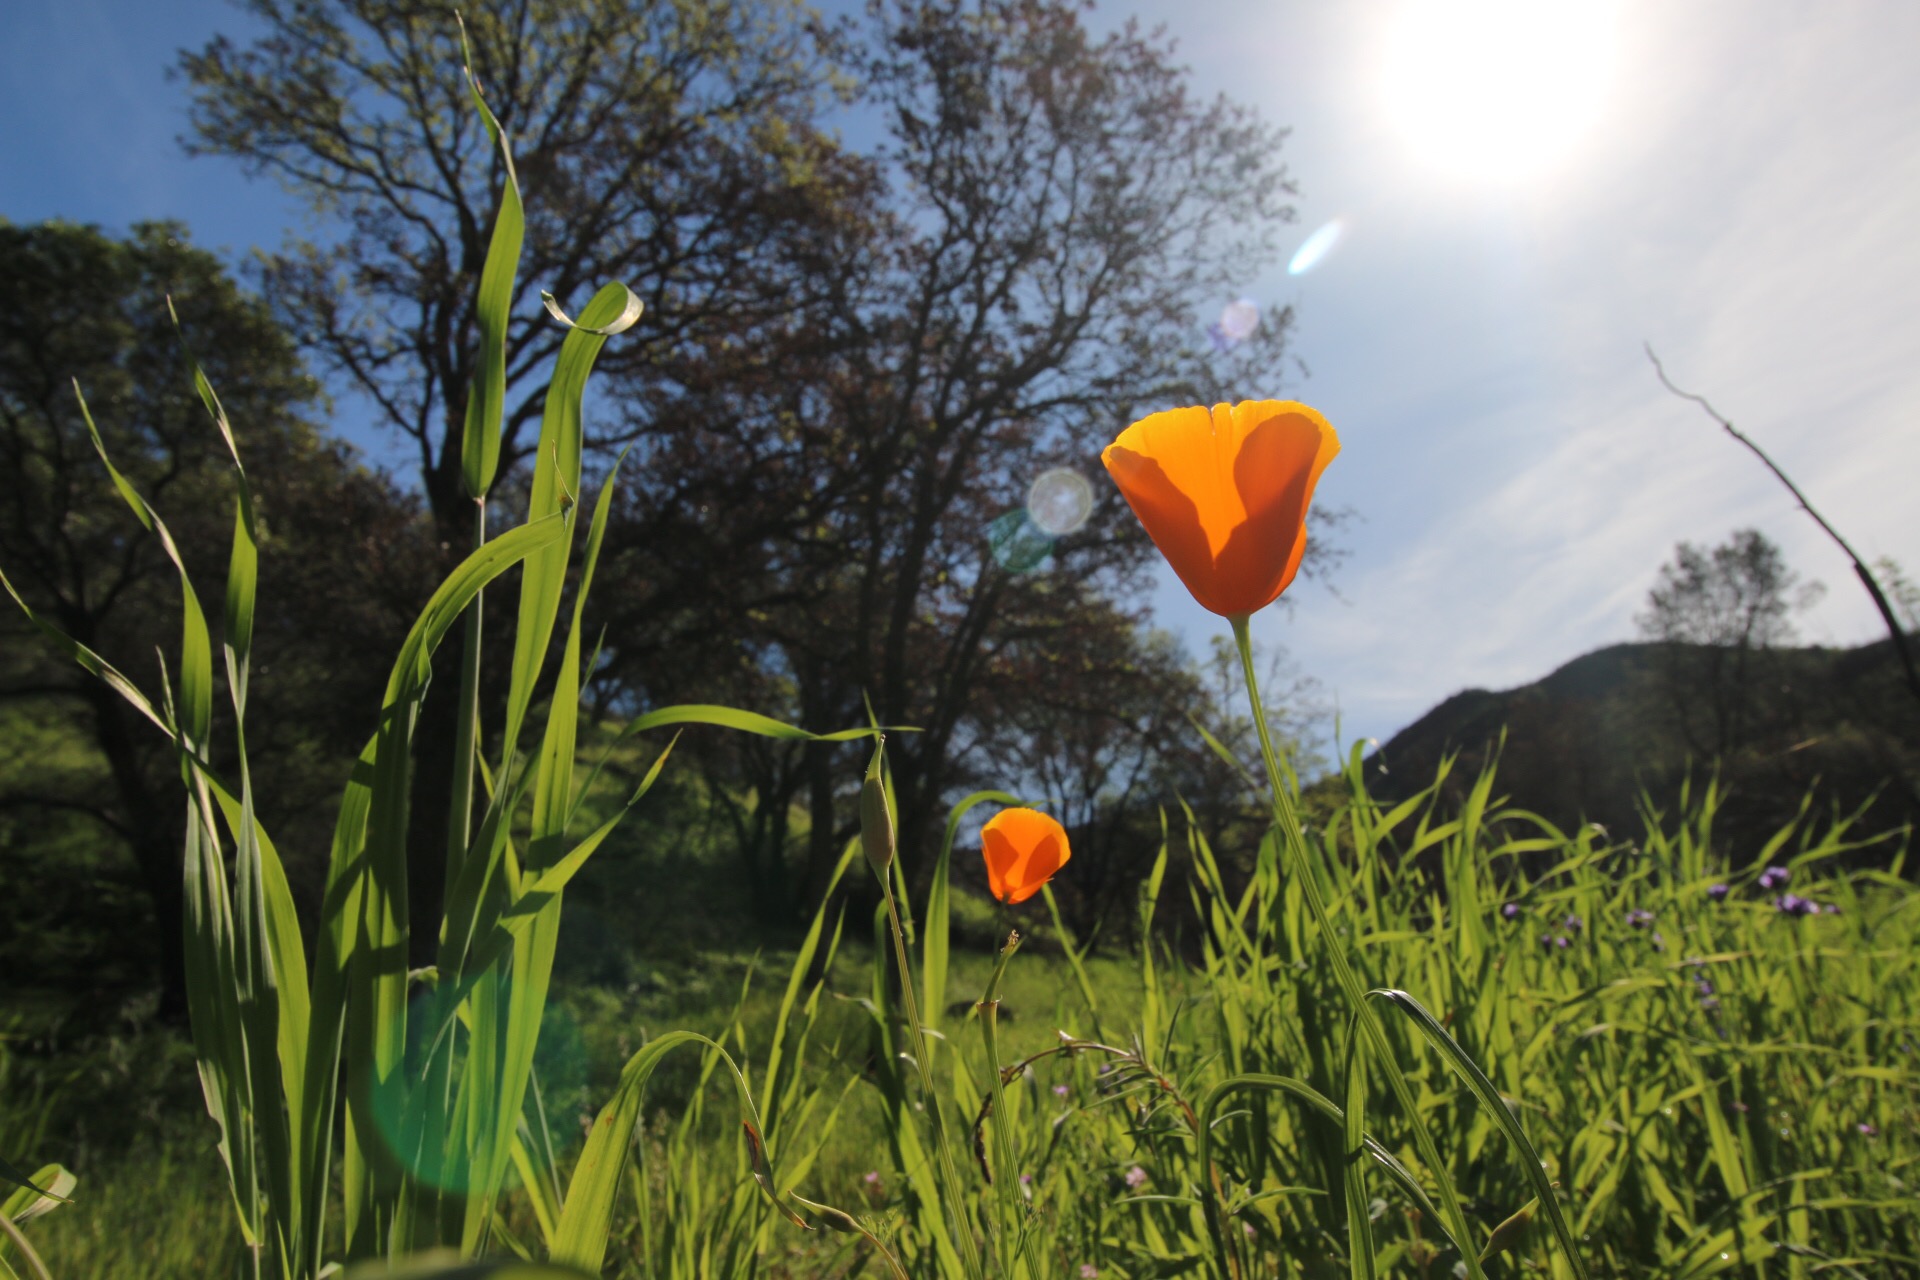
point(1677, 1124)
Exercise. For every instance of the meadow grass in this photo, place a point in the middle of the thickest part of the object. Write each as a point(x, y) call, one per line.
point(1717, 1085)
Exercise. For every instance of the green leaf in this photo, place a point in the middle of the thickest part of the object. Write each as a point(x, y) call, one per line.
point(556, 480)
point(493, 305)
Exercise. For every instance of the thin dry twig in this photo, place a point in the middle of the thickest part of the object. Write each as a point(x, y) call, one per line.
point(1900, 645)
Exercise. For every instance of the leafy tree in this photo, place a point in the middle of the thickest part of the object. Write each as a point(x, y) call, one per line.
point(343, 562)
point(1716, 612)
point(676, 146)
point(1058, 206)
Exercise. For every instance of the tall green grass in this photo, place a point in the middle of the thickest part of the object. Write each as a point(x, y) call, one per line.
point(1355, 1060)
point(413, 1085)
point(1690, 1134)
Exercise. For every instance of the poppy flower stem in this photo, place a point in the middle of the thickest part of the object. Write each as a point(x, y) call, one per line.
point(1293, 843)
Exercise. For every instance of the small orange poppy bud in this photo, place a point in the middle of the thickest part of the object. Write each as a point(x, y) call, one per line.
point(1024, 848)
point(1224, 494)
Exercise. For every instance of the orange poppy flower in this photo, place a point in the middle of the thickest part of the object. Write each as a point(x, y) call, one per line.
point(1224, 494)
point(1024, 847)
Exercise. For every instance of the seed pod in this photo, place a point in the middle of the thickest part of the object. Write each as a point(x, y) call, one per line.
point(837, 1220)
point(876, 816)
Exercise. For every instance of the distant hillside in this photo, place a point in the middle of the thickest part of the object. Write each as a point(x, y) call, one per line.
point(1583, 743)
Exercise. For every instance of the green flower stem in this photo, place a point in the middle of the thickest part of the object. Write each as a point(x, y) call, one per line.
point(1294, 843)
point(1012, 1225)
point(961, 1227)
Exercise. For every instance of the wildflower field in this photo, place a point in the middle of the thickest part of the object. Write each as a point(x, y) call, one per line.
point(1429, 1038)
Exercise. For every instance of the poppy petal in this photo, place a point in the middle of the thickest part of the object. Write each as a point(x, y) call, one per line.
point(1023, 849)
point(1169, 516)
point(1279, 463)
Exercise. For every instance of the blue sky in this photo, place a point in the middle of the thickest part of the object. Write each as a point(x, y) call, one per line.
point(1735, 181)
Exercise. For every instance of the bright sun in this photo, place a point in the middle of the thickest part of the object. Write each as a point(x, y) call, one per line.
point(1497, 89)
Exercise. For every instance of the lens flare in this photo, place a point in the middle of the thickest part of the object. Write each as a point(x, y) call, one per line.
point(1018, 544)
point(1059, 501)
point(1238, 319)
point(1314, 249)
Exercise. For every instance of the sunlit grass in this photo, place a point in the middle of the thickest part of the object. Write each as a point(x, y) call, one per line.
point(1770, 1119)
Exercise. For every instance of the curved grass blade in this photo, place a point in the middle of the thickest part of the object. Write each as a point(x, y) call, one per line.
point(480, 438)
point(556, 478)
point(1502, 1115)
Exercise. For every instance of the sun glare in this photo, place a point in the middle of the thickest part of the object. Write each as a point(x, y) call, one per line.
point(1497, 89)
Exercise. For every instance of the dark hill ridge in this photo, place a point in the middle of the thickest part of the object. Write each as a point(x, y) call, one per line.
point(1584, 742)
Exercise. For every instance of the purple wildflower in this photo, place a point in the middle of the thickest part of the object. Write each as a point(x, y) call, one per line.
point(1717, 892)
point(1638, 919)
point(872, 1178)
point(1774, 878)
point(1511, 911)
point(1562, 942)
point(1832, 909)
point(1061, 1091)
point(1866, 1130)
point(1136, 1177)
point(1089, 1272)
point(1792, 904)
point(1573, 924)
point(1659, 943)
